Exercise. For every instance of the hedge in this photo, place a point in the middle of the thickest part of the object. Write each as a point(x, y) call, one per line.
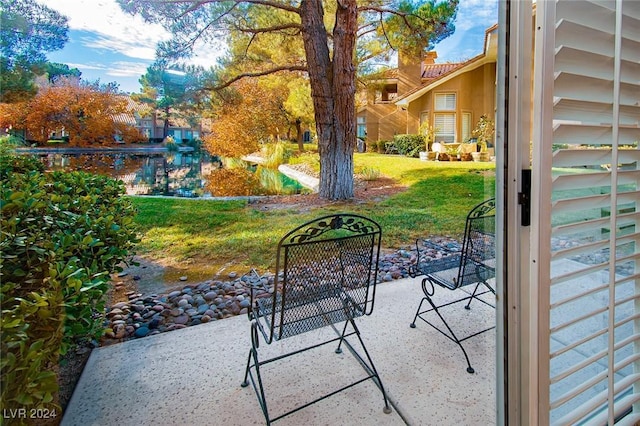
point(409, 145)
point(62, 236)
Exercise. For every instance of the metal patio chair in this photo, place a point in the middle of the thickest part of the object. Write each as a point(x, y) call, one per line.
point(473, 265)
point(326, 272)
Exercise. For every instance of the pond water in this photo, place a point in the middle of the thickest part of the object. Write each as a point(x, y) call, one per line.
point(181, 174)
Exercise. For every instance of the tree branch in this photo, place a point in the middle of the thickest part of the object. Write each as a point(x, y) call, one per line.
point(196, 5)
point(269, 29)
point(258, 74)
point(271, 4)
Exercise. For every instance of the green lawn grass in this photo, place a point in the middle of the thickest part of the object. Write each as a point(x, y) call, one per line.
point(222, 234)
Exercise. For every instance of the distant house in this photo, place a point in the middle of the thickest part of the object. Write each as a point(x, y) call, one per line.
point(451, 96)
point(145, 119)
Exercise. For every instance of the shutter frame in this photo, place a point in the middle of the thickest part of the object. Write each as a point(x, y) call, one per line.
point(588, 54)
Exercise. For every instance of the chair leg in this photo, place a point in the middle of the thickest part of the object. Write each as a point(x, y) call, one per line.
point(473, 295)
point(259, 389)
point(369, 366)
point(415, 317)
point(245, 382)
point(342, 338)
point(254, 362)
point(451, 336)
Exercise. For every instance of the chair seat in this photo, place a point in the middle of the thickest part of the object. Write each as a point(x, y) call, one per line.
point(445, 278)
point(430, 266)
point(325, 308)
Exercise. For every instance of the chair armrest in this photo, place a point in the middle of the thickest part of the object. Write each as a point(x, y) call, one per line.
point(257, 285)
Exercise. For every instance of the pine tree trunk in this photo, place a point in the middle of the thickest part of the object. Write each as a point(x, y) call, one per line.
point(299, 136)
point(333, 93)
point(165, 125)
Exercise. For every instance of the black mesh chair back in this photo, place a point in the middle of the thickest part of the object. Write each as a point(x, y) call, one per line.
point(325, 274)
point(479, 245)
point(475, 262)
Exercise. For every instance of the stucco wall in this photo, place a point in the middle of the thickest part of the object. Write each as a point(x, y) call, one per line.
point(475, 93)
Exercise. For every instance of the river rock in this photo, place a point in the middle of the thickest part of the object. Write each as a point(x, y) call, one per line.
point(181, 319)
point(141, 332)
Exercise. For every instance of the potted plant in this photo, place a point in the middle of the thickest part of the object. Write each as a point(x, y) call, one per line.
point(484, 134)
point(429, 134)
point(467, 148)
point(452, 152)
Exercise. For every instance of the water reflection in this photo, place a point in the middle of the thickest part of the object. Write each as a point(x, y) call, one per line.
point(181, 174)
point(178, 174)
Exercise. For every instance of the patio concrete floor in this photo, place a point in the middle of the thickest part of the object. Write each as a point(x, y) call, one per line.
point(192, 376)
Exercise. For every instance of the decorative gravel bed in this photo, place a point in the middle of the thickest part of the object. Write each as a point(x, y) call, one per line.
point(214, 300)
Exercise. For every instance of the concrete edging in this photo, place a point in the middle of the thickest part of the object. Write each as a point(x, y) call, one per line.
point(305, 180)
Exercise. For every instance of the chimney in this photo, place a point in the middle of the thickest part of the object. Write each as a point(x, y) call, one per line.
point(430, 58)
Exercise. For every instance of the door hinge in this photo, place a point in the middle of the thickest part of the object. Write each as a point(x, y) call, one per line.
point(524, 198)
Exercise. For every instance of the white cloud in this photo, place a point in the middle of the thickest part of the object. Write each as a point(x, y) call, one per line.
point(118, 32)
point(473, 13)
point(474, 17)
point(87, 66)
point(127, 69)
point(124, 47)
point(122, 33)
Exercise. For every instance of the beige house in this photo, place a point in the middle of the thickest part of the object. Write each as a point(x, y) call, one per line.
point(450, 96)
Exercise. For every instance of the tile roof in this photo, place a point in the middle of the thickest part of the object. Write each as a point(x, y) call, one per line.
point(436, 70)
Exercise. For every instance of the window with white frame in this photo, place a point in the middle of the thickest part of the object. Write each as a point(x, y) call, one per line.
point(466, 126)
point(444, 117)
point(444, 125)
point(445, 102)
point(424, 117)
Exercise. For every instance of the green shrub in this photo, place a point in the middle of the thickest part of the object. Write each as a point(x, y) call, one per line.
point(312, 159)
point(11, 163)
point(62, 234)
point(368, 173)
point(382, 146)
point(170, 144)
point(275, 154)
point(11, 141)
point(409, 145)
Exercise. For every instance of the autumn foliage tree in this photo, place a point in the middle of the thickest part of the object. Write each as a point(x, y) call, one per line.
point(87, 112)
point(235, 130)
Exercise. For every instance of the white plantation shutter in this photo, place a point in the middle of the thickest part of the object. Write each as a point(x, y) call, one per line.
point(466, 126)
point(445, 127)
point(445, 102)
point(586, 216)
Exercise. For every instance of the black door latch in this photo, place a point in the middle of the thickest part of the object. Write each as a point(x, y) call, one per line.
point(524, 198)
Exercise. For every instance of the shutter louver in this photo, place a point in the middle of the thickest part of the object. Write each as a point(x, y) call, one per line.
point(594, 286)
point(445, 102)
point(466, 126)
point(445, 126)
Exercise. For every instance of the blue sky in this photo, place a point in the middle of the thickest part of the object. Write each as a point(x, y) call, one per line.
point(108, 45)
